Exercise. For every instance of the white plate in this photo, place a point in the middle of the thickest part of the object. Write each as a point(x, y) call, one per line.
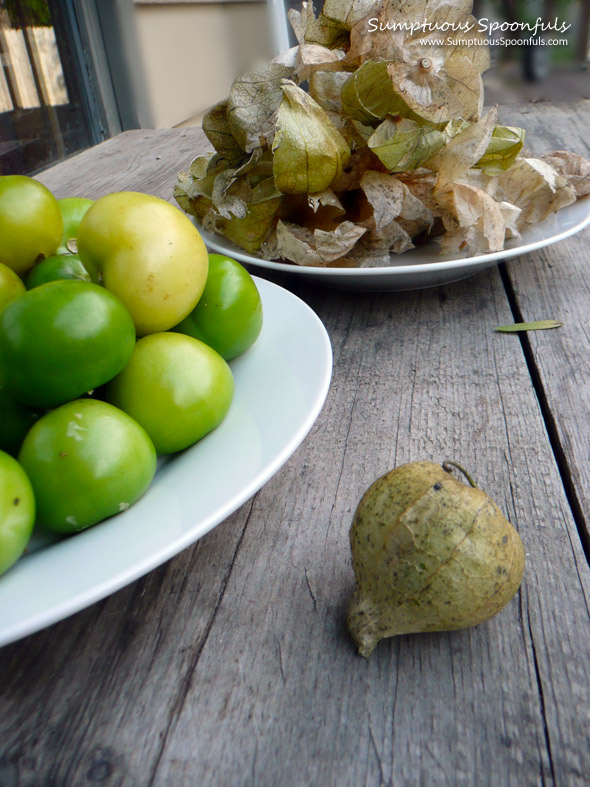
point(281, 385)
point(423, 266)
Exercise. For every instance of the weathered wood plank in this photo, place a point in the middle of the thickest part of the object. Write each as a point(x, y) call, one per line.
point(141, 160)
point(417, 376)
point(231, 664)
point(90, 699)
point(556, 282)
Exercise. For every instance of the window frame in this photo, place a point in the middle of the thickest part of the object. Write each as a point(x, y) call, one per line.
point(107, 57)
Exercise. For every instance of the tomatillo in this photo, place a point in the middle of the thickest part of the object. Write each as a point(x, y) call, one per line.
point(61, 340)
point(11, 286)
point(15, 421)
point(228, 316)
point(176, 387)
point(30, 222)
point(73, 210)
point(56, 267)
point(17, 511)
point(150, 256)
point(86, 461)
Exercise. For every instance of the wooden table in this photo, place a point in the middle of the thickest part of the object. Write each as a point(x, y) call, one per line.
point(231, 664)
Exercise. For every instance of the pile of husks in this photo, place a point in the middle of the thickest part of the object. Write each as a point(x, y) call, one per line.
point(364, 141)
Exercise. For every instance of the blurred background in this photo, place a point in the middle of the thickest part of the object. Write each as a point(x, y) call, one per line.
point(74, 72)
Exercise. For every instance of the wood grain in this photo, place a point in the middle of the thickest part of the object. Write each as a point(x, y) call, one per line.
point(556, 282)
point(231, 665)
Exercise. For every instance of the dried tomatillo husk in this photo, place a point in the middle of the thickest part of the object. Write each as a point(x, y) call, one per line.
point(248, 231)
point(309, 151)
point(253, 101)
point(218, 132)
point(536, 188)
point(574, 168)
point(429, 554)
point(503, 149)
point(368, 95)
point(321, 30)
point(402, 145)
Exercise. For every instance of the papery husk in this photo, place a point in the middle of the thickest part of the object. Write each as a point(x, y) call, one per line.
point(317, 247)
point(194, 188)
point(452, 85)
point(309, 151)
point(321, 30)
point(385, 194)
point(388, 44)
point(248, 232)
point(464, 150)
point(325, 199)
point(218, 132)
point(503, 149)
point(402, 145)
point(536, 188)
point(374, 249)
point(197, 205)
point(254, 99)
point(574, 168)
point(456, 89)
point(347, 12)
point(472, 215)
point(379, 104)
point(311, 58)
point(231, 195)
point(368, 95)
point(325, 88)
point(429, 554)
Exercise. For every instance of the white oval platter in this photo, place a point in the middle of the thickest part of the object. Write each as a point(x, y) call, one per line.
point(423, 266)
point(281, 384)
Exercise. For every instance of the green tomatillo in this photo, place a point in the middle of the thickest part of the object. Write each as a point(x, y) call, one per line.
point(11, 286)
point(30, 222)
point(17, 511)
point(61, 340)
point(176, 387)
point(86, 461)
point(73, 210)
point(150, 255)
point(228, 316)
point(56, 267)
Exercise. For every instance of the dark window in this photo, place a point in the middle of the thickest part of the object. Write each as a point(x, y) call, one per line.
point(44, 115)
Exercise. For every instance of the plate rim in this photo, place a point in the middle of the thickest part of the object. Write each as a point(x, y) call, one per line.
point(217, 243)
point(36, 622)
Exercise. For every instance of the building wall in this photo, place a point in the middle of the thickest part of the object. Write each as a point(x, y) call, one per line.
point(192, 51)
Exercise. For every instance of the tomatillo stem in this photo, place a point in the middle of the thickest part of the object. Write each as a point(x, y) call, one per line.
point(447, 464)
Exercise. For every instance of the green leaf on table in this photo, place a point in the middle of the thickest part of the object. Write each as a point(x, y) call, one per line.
point(539, 325)
point(309, 151)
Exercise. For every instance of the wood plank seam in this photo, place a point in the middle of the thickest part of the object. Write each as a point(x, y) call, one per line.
point(178, 704)
point(549, 419)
